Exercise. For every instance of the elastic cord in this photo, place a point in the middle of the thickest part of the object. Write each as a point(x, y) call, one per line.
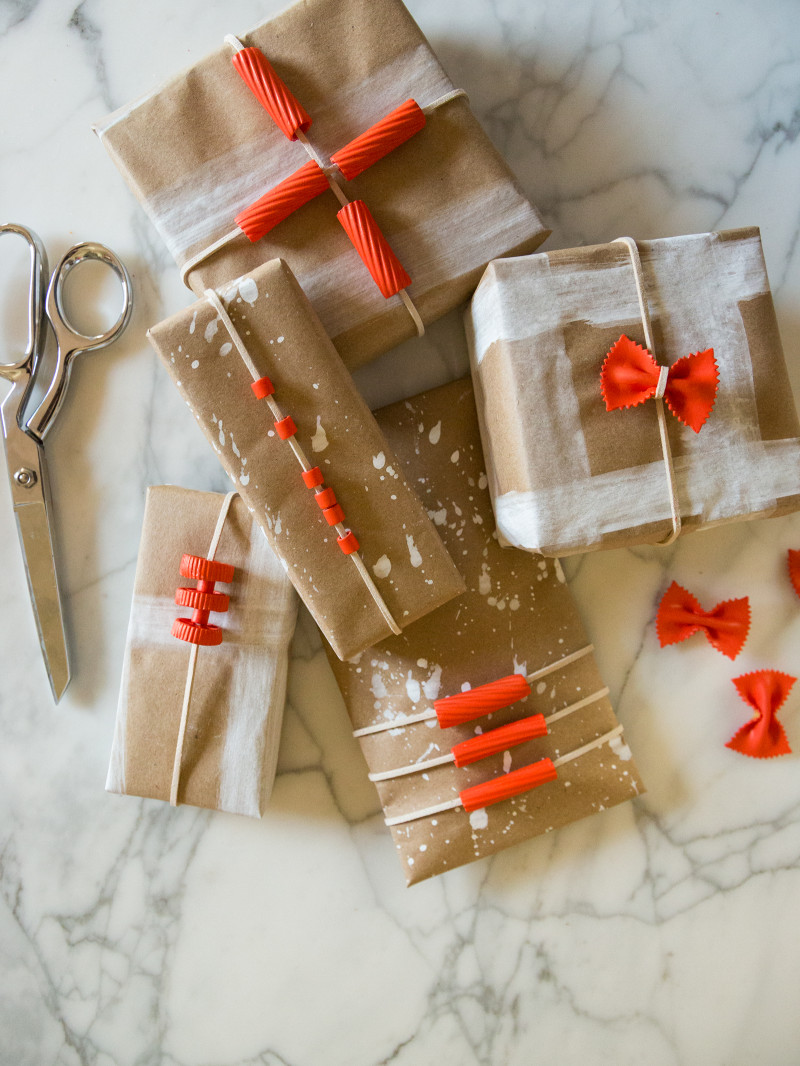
point(674, 503)
point(190, 674)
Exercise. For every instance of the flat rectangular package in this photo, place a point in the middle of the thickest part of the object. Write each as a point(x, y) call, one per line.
point(565, 474)
point(235, 711)
point(201, 148)
point(517, 616)
point(402, 570)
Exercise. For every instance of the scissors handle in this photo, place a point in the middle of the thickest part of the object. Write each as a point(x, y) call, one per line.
point(26, 365)
point(70, 340)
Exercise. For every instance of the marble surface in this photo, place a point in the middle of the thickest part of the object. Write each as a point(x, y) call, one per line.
point(664, 931)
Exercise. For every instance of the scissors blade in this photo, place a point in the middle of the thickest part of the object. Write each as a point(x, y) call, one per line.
point(31, 510)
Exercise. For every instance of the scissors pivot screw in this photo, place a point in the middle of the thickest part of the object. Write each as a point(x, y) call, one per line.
point(25, 477)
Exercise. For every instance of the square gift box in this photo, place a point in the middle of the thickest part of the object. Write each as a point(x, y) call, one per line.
point(516, 618)
point(201, 149)
point(567, 475)
point(308, 457)
point(225, 759)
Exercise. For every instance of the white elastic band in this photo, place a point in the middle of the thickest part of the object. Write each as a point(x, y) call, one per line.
point(429, 764)
point(638, 274)
point(300, 455)
point(452, 805)
point(187, 691)
point(661, 386)
point(454, 94)
point(426, 716)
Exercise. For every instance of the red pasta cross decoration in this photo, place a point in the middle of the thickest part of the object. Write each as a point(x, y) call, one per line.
point(310, 180)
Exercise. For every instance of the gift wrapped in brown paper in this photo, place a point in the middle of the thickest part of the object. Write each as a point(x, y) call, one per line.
point(202, 149)
point(516, 621)
point(200, 724)
point(566, 474)
point(308, 457)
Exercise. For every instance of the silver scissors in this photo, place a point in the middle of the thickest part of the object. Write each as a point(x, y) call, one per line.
point(23, 434)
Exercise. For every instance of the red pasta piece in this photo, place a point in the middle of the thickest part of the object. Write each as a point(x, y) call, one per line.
point(508, 785)
point(348, 543)
point(475, 702)
point(334, 515)
point(497, 740)
point(286, 428)
point(763, 737)
point(272, 93)
point(794, 569)
point(262, 388)
point(384, 266)
point(313, 477)
point(325, 498)
point(379, 140)
point(680, 615)
point(281, 201)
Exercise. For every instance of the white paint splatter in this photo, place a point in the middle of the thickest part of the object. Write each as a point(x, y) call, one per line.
point(211, 329)
point(620, 749)
point(520, 668)
point(195, 364)
point(281, 340)
point(383, 567)
point(248, 290)
point(439, 518)
point(423, 663)
point(432, 686)
point(559, 572)
point(540, 687)
point(484, 581)
point(454, 456)
point(379, 461)
point(319, 442)
point(479, 819)
point(378, 688)
point(483, 481)
point(413, 551)
point(506, 761)
point(278, 525)
point(413, 688)
point(435, 434)
point(226, 348)
point(244, 479)
point(193, 323)
point(221, 434)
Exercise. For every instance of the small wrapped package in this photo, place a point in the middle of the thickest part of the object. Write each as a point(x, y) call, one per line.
point(408, 180)
point(278, 406)
point(515, 630)
point(569, 475)
point(200, 713)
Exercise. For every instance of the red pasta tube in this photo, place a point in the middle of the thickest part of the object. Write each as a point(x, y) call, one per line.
point(379, 140)
point(272, 93)
point(384, 266)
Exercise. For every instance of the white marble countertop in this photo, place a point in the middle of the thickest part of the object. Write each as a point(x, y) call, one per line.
point(664, 931)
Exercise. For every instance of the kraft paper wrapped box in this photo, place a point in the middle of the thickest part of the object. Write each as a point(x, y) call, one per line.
point(230, 746)
point(401, 570)
point(565, 474)
point(516, 616)
point(201, 149)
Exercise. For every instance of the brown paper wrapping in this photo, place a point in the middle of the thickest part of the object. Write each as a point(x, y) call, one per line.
point(566, 475)
point(517, 615)
point(201, 149)
point(233, 728)
point(336, 430)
